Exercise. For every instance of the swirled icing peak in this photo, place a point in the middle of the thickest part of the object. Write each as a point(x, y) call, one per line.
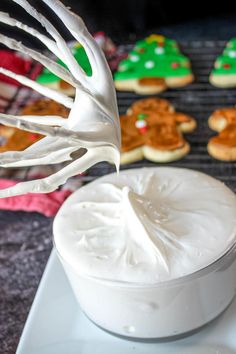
point(146, 225)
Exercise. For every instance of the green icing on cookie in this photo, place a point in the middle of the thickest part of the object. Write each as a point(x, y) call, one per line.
point(46, 77)
point(155, 56)
point(226, 63)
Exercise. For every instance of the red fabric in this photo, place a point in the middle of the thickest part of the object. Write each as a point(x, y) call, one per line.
point(13, 62)
point(47, 204)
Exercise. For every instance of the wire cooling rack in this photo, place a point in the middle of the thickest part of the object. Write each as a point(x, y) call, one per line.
point(198, 99)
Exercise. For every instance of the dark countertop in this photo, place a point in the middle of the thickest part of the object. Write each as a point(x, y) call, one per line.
point(25, 244)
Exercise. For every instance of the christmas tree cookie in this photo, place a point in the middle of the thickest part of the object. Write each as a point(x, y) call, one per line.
point(48, 79)
point(154, 64)
point(224, 72)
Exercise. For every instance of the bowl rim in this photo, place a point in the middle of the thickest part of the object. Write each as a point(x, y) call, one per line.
point(225, 259)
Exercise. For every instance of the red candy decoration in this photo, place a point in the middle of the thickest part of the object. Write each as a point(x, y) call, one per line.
point(143, 130)
point(226, 66)
point(141, 124)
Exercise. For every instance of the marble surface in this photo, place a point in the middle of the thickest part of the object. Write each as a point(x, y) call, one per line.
point(25, 245)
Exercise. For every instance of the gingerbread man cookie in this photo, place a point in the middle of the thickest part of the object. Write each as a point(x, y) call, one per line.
point(153, 65)
point(149, 105)
point(223, 145)
point(13, 139)
point(154, 134)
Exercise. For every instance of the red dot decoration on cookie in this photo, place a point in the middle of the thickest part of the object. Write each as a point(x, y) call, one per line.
point(140, 50)
point(226, 66)
point(33, 137)
point(175, 65)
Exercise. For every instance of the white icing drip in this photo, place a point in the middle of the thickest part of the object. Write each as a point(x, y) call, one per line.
point(92, 128)
point(146, 225)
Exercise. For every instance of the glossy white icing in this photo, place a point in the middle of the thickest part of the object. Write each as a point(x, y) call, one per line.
point(146, 225)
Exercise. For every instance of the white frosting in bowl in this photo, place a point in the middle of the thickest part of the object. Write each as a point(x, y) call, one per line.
point(146, 225)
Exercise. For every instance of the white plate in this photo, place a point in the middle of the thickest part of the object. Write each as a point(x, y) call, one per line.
point(56, 325)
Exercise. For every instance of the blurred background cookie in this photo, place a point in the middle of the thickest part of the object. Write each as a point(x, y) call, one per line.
point(12, 139)
point(223, 145)
point(224, 72)
point(49, 79)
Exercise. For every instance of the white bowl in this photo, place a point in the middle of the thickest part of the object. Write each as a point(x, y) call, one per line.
point(164, 309)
